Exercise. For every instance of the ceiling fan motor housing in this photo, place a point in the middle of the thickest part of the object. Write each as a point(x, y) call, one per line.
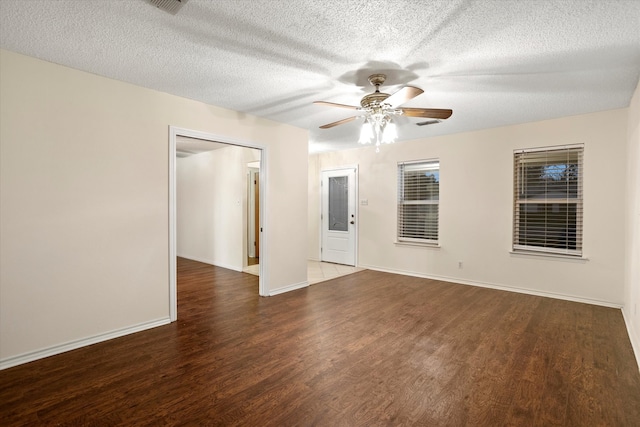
point(373, 99)
point(376, 98)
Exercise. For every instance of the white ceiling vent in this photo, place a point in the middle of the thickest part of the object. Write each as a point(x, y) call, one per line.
point(171, 6)
point(429, 122)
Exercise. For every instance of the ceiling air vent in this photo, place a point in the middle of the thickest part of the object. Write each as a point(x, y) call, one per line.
point(429, 122)
point(171, 6)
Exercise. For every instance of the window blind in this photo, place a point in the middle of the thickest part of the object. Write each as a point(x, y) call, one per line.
point(548, 200)
point(418, 201)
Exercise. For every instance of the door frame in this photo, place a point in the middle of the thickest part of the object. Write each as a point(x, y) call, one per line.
point(357, 213)
point(174, 132)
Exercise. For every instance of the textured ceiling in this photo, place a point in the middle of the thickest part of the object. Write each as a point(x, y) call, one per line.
point(493, 62)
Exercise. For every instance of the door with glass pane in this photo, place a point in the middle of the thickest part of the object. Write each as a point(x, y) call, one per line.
point(339, 216)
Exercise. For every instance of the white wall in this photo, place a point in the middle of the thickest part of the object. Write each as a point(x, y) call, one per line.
point(476, 194)
point(632, 272)
point(211, 202)
point(84, 202)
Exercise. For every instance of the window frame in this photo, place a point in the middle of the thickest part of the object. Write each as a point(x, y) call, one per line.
point(518, 170)
point(429, 164)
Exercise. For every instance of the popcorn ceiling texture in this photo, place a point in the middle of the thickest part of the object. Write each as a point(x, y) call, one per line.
point(493, 62)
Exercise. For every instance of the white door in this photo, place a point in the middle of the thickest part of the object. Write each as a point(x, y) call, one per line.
point(339, 216)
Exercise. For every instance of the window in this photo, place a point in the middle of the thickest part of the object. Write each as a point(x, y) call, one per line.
point(338, 209)
point(418, 200)
point(548, 200)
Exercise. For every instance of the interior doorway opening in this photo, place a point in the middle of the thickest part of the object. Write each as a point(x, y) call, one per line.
point(253, 216)
point(253, 213)
point(200, 233)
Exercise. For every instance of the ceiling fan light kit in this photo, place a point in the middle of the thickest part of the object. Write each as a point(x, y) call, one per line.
point(378, 108)
point(378, 127)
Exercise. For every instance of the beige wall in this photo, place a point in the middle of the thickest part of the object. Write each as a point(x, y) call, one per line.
point(313, 223)
point(84, 203)
point(211, 202)
point(632, 276)
point(476, 193)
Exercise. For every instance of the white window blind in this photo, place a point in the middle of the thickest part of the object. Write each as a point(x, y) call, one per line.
point(548, 200)
point(418, 201)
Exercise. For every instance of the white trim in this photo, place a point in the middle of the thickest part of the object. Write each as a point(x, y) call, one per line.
point(75, 344)
point(173, 242)
point(635, 344)
point(339, 168)
point(544, 254)
point(289, 288)
point(434, 245)
point(264, 279)
point(498, 287)
point(175, 131)
point(357, 219)
point(320, 219)
point(210, 262)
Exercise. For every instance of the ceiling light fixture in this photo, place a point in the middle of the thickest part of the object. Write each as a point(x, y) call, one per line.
point(378, 127)
point(378, 109)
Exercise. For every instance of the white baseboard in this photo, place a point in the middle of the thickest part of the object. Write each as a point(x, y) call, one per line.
point(288, 288)
point(211, 262)
point(72, 345)
point(498, 287)
point(633, 336)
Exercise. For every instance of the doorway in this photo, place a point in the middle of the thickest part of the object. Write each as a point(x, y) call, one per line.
point(339, 215)
point(174, 134)
point(253, 213)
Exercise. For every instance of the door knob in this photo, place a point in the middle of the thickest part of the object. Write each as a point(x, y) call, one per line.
point(352, 222)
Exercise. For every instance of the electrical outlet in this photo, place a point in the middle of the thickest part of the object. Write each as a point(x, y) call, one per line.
point(460, 264)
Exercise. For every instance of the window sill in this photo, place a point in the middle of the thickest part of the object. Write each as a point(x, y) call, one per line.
point(549, 255)
point(418, 244)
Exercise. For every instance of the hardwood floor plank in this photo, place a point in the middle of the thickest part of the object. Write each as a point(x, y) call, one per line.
point(366, 349)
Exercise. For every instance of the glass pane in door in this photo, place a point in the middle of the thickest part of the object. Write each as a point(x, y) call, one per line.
point(338, 203)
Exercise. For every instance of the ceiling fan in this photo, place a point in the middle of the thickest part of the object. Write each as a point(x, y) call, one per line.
point(378, 108)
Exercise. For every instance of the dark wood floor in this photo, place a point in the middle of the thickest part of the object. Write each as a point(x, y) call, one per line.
point(362, 350)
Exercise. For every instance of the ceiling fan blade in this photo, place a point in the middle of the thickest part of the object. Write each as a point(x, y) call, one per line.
point(403, 95)
point(339, 122)
point(333, 104)
point(430, 113)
